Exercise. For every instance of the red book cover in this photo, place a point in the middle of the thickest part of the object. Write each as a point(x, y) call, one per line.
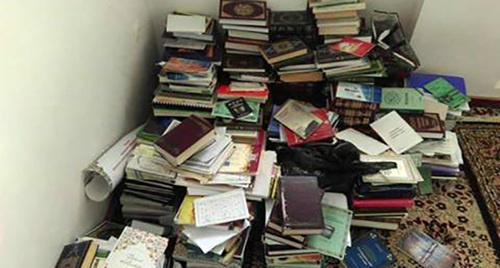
point(353, 46)
point(383, 203)
point(258, 147)
point(323, 132)
point(225, 90)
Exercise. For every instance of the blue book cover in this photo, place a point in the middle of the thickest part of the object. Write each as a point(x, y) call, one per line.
point(273, 129)
point(420, 80)
point(369, 251)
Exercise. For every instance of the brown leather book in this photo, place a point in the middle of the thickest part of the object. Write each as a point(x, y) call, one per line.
point(427, 125)
point(179, 144)
point(300, 200)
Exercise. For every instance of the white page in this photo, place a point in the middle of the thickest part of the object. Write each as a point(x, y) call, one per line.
point(396, 132)
point(269, 204)
point(183, 23)
point(221, 208)
point(262, 183)
point(364, 143)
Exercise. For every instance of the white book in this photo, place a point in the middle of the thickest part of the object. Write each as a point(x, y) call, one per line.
point(364, 143)
point(221, 208)
point(246, 28)
point(186, 23)
point(248, 35)
point(396, 132)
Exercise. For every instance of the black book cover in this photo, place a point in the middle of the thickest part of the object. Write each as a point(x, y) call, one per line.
point(327, 54)
point(73, 255)
point(244, 62)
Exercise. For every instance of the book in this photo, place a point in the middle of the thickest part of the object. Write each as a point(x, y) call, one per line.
point(77, 255)
point(284, 49)
point(334, 30)
point(336, 15)
point(301, 205)
point(181, 65)
point(425, 250)
point(323, 132)
point(239, 12)
point(409, 100)
point(343, 22)
point(221, 208)
point(286, 240)
point(248, 35)
point(364, 143)
point(314, 76)
point(446, 93)
point(333, 240)
point(307, 258)
point(298, 119)
point(353, 46)
point(247, 64)
point(405, 171)
point(382, 203)
point(373, 224)
point(290, 23)
point(313, 3)
point(176, 147)
point(427, 125)
point(339, 8)
point(185, 23)
point(359, 92)
point(396, 132)
point(245, 28)
point(425, 187)
point(369, 251)
point(225, 92)
point(137, 248)
point(238, 108)
point(419, 80)
point(329, 58)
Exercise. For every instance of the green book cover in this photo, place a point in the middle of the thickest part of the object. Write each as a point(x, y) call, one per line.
point(221, 110)
point(333, 241)
point(425, 187)
point(403, 100)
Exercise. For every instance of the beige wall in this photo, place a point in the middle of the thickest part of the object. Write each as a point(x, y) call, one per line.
point(461, 37)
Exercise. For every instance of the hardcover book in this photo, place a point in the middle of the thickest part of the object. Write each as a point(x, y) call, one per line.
point(243, 12)
point(427, 125)
point(426, 251)
point(177, 147)
point(247, 64)
point(403, 100)
point(323, 132)
point(329, 57)
point(353, 46)
point(225, 92)
point(291, 23)
point(181, 65)
point(382, 203)
point(359, 92)
point(369, 251)
point(238, 108)
point(300, 200)
point(284, 49)
point(298, 119)
point(78, 255)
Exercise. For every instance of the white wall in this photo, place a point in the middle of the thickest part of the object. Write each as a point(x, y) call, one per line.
point(461, 37)
point(73, 79)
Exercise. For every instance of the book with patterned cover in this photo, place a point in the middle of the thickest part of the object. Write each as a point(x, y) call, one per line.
point(327, 53)
point(181, 65)
point(369, 251)
point(243, 10)
point(425, 123)
point(279, 50)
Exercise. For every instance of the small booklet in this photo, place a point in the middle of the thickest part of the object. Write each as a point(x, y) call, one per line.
point(426, 251)
point(221, 208)
point(396, 132)
point(298, 119)
point(238, 108)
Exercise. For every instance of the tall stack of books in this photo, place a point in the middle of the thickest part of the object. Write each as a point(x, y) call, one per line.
point(382, 200)
point(356, 104)
point(188, 75)
point(247, 25)
point(337, 17)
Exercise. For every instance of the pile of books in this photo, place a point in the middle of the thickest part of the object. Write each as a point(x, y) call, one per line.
point(337, 17)
point(247, 24)
point(187, 80)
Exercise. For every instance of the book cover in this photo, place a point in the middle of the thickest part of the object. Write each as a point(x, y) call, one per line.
point(359, 92)
point(225, 92)
point(291, 23)
point(245, 63)
point(396, 132)
point(333, 241)
point(323, 132)
point(298, 119)
point(300, 200)
point(419, 80)
point(137, 248)
point(175, 142)
point(186, 66)
point(403, 100)
point(382, 203)
point(73, 255)
point(426, 251)
point(238, 108)
point(353, 46)
point(280, 49)
point(369, 251)
point(425, 123)
point(243, 10)
point(327, 53)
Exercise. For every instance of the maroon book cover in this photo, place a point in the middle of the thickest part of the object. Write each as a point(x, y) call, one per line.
point(243, 10)
point(428, 122)
point(179, 139)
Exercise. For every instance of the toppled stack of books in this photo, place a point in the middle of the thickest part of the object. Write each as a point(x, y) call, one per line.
point(247, 25)
point(382, 200)
point(187, 80)
point(214, 229)
point(298, 123)
point(337, 17)
point(293, 60)
point(356, 104)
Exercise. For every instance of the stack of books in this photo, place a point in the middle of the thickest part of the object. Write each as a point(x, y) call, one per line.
point(356, 104)
point(214, 229)
point(192, 37)
point(293, 60)
point(337, 17)
point(247, 25)
point(382, 200)
point(293, 23)
point(296, 215)
point(298, 123)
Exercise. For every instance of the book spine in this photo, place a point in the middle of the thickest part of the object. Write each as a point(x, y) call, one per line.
point(350, 104)
point(356, 121)
point(354, 112)
point(383, 203)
